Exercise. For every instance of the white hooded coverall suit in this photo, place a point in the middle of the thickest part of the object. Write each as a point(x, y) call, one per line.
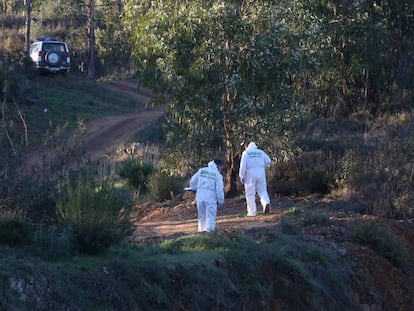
point(208, 184)
point(253, 166)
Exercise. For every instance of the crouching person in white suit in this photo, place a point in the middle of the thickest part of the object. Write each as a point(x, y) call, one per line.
point(209, 188)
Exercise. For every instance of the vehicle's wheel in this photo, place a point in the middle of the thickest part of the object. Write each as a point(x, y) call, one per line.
point(52, 58)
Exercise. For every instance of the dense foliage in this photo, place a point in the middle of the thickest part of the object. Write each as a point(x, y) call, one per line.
point(15, 228)
point(228, 68)
point(240, 70)
point(244, 70)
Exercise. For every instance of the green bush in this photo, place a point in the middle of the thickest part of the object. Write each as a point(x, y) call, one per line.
point(296, 274)
point(20, 190)
point(97, 216)
point(299, 176)
point(15, 228)
point(135, 173)
point(378, 169)
point(378, 239)
point(164, 186)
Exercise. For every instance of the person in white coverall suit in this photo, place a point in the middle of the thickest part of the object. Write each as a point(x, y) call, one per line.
point(208, 186)
point(252, 175)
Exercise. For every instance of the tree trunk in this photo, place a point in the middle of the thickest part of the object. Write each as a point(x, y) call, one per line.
point(91, 67)
point(28, 23)
point(233, 157)
point(234, 145)
point(232, 165)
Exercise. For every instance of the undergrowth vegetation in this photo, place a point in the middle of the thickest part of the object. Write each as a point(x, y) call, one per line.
point(97, 216)
point(202, 272)
point(164, 186)
point(380, 240)
point(135, 172)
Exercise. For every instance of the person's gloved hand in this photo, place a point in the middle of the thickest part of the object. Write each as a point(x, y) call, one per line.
point(220, 205)
point(242, 181)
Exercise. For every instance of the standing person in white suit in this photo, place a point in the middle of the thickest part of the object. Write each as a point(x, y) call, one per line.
point(252, 175)
point(209, 188)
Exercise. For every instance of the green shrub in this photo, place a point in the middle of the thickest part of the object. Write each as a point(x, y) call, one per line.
point(15, 228)
point(97, 216)
point(372, 235)
point(378, 169)
point(21, 191)
point(300, 176)
point(164, 186)
point(135, 173)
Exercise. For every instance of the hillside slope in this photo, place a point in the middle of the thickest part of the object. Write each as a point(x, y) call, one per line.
point(377, 283)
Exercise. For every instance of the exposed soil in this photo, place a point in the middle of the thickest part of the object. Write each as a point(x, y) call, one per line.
point(156, 222)
point(103, 135)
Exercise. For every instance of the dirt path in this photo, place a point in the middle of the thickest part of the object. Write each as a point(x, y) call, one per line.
point(105, 134)
point(159, 223)
point(159, 230)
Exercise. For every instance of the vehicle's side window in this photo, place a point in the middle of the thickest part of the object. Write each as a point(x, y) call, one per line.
point(34, 48)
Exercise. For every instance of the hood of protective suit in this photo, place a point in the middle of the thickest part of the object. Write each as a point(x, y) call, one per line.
point(251, 145)
point(212, 164)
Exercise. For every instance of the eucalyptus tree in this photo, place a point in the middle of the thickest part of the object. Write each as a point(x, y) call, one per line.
point(228, 68)
point(372, 61)
point(112, 39)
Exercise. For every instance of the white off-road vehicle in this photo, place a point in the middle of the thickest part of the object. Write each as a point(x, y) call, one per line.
point(50, 55)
